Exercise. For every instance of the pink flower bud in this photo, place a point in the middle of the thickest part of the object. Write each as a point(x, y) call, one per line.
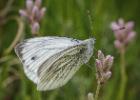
point(23, 13)
point(33, 13)
point(35, 10)
point(103, 65)
point(99, 65)
point(29, 5)
point(108, 62)
point(118, 44)
point(130, 37)
point(107, 75)
point(38, 3)
point(123, 33)
point(118, 35)
point(42, 12)
point(129, 25)
point(114, 26)
point(35, 27)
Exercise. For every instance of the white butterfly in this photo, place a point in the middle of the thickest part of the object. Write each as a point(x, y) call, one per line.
point(50, 62)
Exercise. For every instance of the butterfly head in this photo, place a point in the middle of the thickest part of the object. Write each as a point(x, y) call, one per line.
point(89, 45)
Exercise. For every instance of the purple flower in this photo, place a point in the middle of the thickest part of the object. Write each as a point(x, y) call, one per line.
point(35, 27)
point(103, 66)
point(33, 13)
point(123, 32)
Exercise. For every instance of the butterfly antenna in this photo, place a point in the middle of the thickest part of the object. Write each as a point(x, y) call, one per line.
point(90, 23)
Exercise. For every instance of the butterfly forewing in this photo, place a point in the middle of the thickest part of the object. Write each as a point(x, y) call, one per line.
point(33, 52)
point(50, 62)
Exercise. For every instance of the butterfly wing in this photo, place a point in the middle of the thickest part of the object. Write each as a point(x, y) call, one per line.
point(35, 51)
point(63, 65)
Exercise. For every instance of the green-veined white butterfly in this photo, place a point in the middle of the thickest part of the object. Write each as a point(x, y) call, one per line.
point(50, 62)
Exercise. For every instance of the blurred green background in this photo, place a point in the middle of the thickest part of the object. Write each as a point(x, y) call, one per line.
point(70, 18)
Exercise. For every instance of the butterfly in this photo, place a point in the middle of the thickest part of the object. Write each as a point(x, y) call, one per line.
point(50, 62)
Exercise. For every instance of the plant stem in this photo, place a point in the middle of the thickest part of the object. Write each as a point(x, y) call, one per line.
point(97, 91)
point(18, 35)
point(123, 75)
point(7, 8)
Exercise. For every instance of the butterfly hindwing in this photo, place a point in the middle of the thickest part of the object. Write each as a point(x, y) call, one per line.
point(61, 67)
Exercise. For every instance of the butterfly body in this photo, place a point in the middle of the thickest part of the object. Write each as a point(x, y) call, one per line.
point(50, 62)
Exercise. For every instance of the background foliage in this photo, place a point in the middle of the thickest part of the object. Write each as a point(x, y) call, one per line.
point(70, 18)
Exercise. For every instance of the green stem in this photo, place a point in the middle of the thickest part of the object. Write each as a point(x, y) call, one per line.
point(18, 35)
point(97, 91)
point(123, 75)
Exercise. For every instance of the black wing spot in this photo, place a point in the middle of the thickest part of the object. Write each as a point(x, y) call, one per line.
point(33, 58)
